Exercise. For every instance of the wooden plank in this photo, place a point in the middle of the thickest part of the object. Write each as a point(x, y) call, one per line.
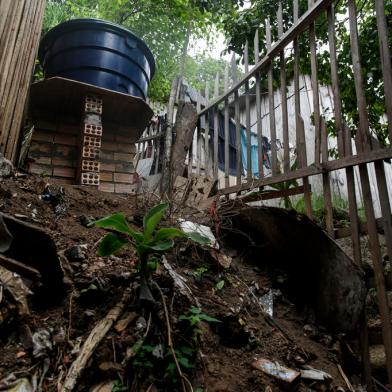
point(216, 128)
point(207, 135)
point(269, 195)
point(337, 103)
point(271, 102)
point(343, 137)
point(315, 89)
point(326, 183)
point(364, 145)
point(198, 137)
point(342, 163)
point(283, 94)
point(247, 116)
point(227, 133)
point(260, 152)
point(237, 122)
point(299, 123)
point(301, 25)
point(385, 56)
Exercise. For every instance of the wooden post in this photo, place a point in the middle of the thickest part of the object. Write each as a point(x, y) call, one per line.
point(216, 128)
point(227, 131)
point(343, 137)
point(198, 137)
point(271, 101)
point(237, 122)
point(385, 56)
point(247, 117)
point(258, 109)
point(20, 30)
point(283, 88)
point(315, 89)
point(207, 134)
point(299, 123)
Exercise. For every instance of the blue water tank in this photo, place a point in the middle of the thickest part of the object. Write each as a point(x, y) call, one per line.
point(100, 53)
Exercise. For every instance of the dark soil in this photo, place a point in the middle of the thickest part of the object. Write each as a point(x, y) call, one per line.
point(222, 358)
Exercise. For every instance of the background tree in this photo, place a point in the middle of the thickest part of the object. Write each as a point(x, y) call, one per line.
point(162, 24)
point(241, 25)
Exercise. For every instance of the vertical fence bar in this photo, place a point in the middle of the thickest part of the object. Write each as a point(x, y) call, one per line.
point(247, 116)
point(260, 152)
point(326, 183)
point(227, 131)
point(364, 145)
point(216, 128)
point(207, 134)
point(385, 56)
point(299, 123)
point(271, 103)
point(237, 121)
point(198, 137)
point(283, 94)
point(344, 146)
point(315, 88)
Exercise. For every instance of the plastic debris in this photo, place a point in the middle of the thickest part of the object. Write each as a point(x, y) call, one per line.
point(14, 285)
point(42, 343)
point(190, 227)
point(6, 167)
point(12, 384)
point(314, 374)
point(276, 370)
point(267, 302)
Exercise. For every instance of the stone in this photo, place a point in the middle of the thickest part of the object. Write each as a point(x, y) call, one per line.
point(75, 253)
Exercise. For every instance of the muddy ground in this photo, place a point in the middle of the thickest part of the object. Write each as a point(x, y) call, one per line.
point(214, 356)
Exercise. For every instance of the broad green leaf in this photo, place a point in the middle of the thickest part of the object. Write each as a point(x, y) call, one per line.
point(198, 238)
point(152, 218)
point(167, 234)
point(118, 223)
point(110, 244)
point(162, 246)
point(220, 284)
point(209, 319)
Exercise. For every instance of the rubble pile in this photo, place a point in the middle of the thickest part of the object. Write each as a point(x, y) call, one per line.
point(223, 318)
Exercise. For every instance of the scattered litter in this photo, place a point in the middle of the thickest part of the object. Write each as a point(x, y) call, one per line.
point(274, 369)
point(189, 227)
point(56, 196)
point(42, 343)
point(224, 260)
point(14, 285)
point(310, 373)
point(6, 167)
point(12, 384)
point(267, 302)
point(180, 282)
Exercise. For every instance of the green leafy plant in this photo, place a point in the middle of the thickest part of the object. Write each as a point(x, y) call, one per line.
point(118, 386)
point(219, 285)
point(151, 240)
point(195, 315)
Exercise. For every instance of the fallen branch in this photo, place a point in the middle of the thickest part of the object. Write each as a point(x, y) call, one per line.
point(95, 337)
point(345, 378)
